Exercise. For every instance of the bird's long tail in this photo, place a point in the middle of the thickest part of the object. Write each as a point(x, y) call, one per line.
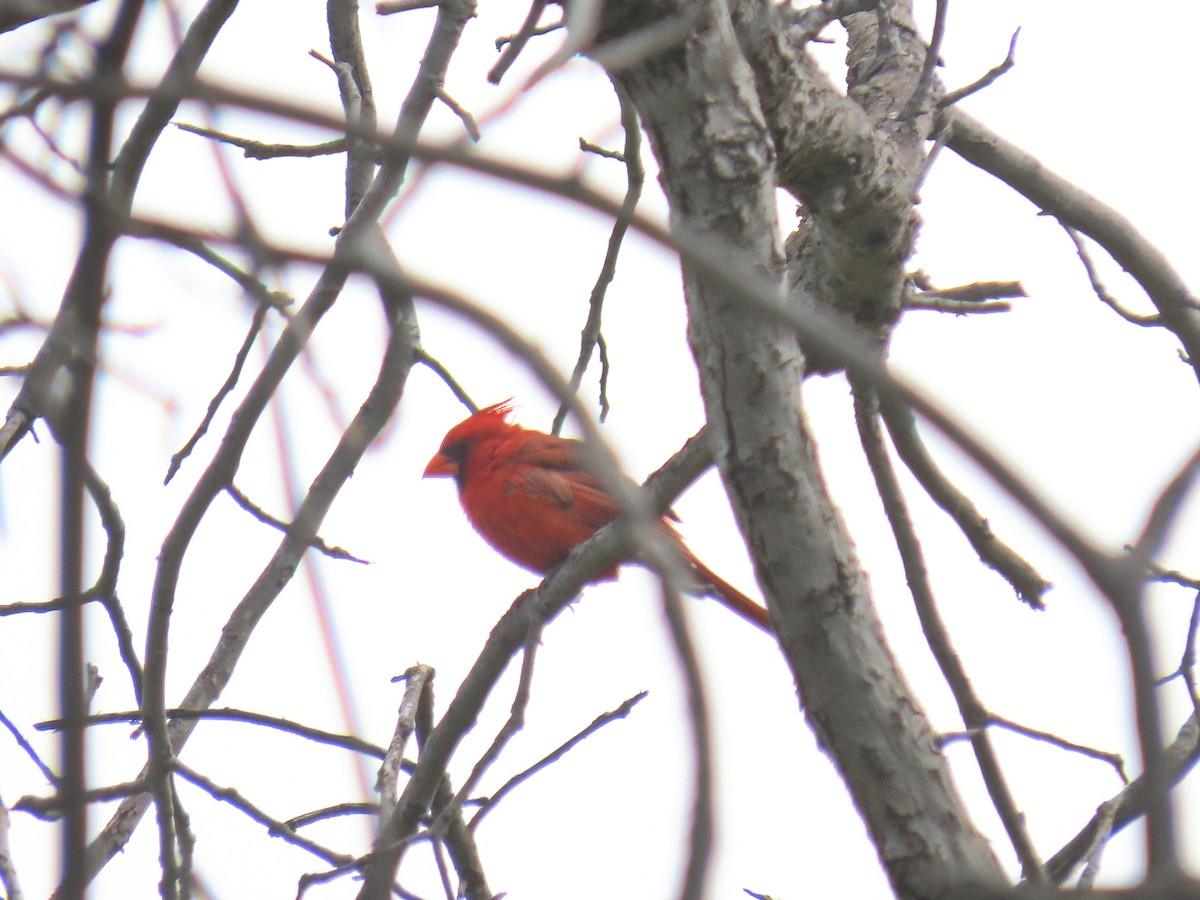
point(713, 585)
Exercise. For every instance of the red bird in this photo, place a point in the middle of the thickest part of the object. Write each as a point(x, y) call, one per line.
point(530, 496)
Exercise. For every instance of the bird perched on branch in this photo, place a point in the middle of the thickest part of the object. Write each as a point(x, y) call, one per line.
point(531, 496)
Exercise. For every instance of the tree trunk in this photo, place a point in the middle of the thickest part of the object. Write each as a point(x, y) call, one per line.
point(699, 101)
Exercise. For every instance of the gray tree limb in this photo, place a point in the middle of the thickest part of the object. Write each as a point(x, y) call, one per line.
point(715, 144)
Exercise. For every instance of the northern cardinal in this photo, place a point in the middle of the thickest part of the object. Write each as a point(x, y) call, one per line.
point(529, 495)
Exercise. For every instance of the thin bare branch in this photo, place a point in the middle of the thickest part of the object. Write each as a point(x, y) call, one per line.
point(513, 724)
point(227, 714)
point(976, 292)
point(275, 827)
point(635, 178)
point(253, 149)
point(488, 804)
point(958, 307)
point(1057, 196)
point(974, 714)
point(24, 744)
point(1171, 576)
point(450, 381)
point(105, 588)
point(1098, 286)
point(226, 388)
point(988, 77)
point(253, 287)
point(1024, 578)
point(462, 112)
point(516, 43)
point(417, 680)
point(53, 808)
point(1187, 663)
point(337, 811)
point(357, 95)
point(1113, 759)
point(1179, 758)
point(933, 53)
point(388, 7)
point(541, 30)
point(318, 543)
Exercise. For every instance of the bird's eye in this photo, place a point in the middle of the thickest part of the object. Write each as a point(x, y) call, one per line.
point(458, 451)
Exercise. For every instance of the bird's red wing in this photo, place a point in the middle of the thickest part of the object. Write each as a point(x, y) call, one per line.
point(577, 492)
point(553, 468)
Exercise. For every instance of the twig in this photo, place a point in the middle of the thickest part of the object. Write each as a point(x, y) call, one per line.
point(976, 292)
point(417, 679)
point(459, 110)
point(460, 842)
point(957, 307)
point(253, 149)
point(1146, 321)
point(605, 369)
point(516, 43)
point(1172, 576)
point(513, 724)
point(587, 146)
point(388, 7)
point(972, 710)
point(537, 32)
point(1113, 759)
point(337, 811)
point(357, 96)
point(1120, 237)
point(952, 97)
point(932, 57)
point(186, 841)
point(24, 744)
point(277, 300)
point(430, 362)
point(228, 714)
point(1178, 759)
point(488, 804)
point(700, 837)
point(993, 552)
point(1187, 663)
point(105, 588)
point(51, 808)
point(1124, 590)
point(317, 543)
point(454, 833)
point(231, 380)
point(275, 827)
point(1105, 815)
point(635, 178)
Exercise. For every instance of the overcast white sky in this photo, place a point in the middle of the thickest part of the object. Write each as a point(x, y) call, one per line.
point(1095, 411)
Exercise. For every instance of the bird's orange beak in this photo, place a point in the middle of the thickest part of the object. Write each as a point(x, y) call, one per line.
point(441, 466)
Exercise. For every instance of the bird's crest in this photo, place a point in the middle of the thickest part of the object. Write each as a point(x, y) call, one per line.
point(489, 420)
